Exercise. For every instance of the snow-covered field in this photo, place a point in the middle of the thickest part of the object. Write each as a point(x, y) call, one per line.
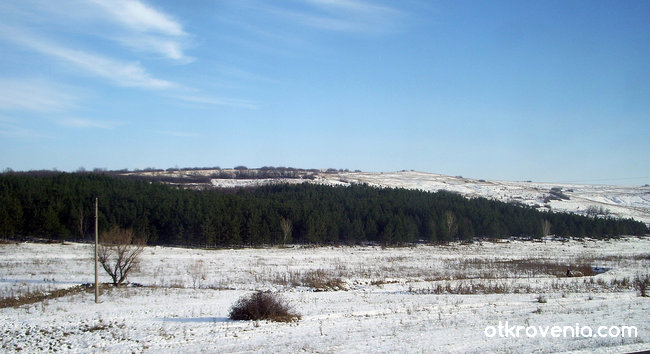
point(451, 298)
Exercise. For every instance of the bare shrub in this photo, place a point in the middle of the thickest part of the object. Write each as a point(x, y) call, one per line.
point(263, 306)
point(119, 252)
point(197, 271)
point(541, 298)
point(641, 283)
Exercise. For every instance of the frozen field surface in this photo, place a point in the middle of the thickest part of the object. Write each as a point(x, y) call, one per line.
point(424, 298)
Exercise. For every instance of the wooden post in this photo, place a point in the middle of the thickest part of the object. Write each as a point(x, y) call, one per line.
point(96, 245)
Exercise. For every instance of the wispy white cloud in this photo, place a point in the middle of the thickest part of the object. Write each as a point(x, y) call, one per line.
point(141, 17)
point(342, 16)
point(146, 28)
point(167, 47)
point(34, 95)
point(359, 7)
point(87, 123)
point(131, 23)
point(217, 101)
point(121, 73)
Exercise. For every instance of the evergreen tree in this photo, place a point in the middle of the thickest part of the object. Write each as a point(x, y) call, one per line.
point(59, 205)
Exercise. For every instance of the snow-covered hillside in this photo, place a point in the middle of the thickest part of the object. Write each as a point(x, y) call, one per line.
point(604, 200)
point(617, 201)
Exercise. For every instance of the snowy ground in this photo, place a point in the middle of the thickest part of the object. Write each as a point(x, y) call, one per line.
point(388, 300)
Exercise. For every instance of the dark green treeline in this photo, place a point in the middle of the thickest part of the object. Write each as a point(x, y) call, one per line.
point(61, 206)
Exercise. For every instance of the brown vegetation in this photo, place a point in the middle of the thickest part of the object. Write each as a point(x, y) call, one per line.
point(38, 296)
point(642, 283)
point(119, 253)
point(263, 306)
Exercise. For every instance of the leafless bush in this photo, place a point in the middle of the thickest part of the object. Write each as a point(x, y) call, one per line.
point(119, 253)
point(641, 283)
point(197, 271)
point(263, 306)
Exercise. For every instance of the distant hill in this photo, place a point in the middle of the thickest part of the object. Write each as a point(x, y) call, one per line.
point(581, 199)
point(320, 207)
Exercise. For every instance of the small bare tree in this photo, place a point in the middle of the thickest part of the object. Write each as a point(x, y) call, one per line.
point(546, 227)
point(119, 253)
point(197, 271)
point(451, 225)
point(287, 228)
point(642, 282)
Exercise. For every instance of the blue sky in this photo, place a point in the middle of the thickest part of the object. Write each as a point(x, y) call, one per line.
point(553, 91)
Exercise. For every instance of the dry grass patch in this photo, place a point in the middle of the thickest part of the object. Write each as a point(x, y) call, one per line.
point(39, 296)
point(319, 280)
point(322, 280)
point(504, 286)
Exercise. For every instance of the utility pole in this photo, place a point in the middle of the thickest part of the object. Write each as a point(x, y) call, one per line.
point(96, 245)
